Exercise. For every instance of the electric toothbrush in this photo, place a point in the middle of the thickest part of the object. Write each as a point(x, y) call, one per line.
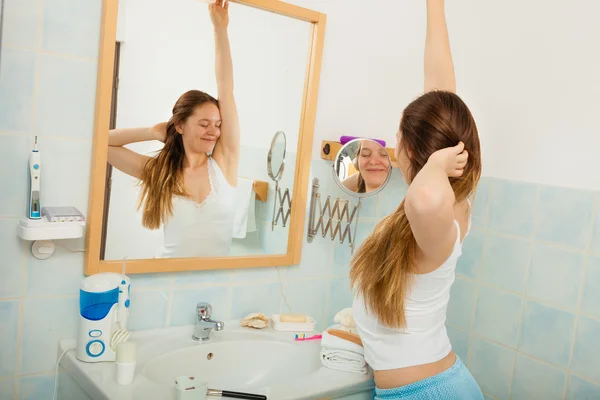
point(35, 173)
point(123, 298)
point(124, 302)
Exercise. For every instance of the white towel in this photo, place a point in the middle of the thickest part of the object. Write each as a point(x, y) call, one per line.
point(344, 360)
point(244, 220)
point(343, 355)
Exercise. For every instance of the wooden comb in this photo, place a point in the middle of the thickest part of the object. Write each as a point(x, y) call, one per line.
point(349, 336)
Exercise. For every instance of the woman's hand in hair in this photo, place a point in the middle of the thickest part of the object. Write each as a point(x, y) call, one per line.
point(451, 159)
point(160, 131)
point(219, 13)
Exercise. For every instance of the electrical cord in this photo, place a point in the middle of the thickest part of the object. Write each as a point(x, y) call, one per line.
point(54, 396)
point(281, 290)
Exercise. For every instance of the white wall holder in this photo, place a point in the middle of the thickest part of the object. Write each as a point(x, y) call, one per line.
point(42, 233)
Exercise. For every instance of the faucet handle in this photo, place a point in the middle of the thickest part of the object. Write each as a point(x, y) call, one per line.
point(204, 310)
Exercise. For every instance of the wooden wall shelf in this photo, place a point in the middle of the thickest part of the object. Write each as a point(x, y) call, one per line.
point(261, 188)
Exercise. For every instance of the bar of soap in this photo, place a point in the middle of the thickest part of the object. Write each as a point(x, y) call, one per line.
point(292, 318)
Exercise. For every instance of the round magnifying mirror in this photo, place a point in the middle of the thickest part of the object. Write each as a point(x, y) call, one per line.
point(276, 157)
point(362, 168)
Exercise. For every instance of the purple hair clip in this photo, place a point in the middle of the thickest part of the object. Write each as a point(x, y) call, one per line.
point(346, 139)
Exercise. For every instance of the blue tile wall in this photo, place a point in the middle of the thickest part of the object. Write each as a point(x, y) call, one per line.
point(586, 352)
point(463, 294)
point(13, 258)
point(497, 316)
point(16, 90)
point(512, 207)
point(547, 333)
point(536, 380)
point(36, 387)
point(505, 262)
point(13, 151)
point(524, 313)
point(7, 388)
point(533, 259)
point(460, 342)
point(65, 110)
point(581, 389)
point(491, 365)
point(9, 314)
point(590, 303)
point(71, 27)
point(555, 276)
point(469, 264)
point(565, 216)
point(21, 23)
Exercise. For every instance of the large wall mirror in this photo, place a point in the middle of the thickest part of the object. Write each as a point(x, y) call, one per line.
point(182, 174)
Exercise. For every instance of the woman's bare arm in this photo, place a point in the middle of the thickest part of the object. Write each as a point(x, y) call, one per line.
point(122, 158)
point(228, 145)
point(439, 67)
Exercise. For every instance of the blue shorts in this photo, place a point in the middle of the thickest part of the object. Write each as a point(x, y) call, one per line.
point(456, 383)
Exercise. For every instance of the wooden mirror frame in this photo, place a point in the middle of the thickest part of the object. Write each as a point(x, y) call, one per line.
point(106, 53)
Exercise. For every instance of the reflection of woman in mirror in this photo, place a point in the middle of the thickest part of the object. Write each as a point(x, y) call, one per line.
point(189, 187)
point(404, 270)
point(372, 165)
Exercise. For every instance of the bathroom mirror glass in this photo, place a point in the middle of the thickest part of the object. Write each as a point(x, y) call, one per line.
point(276, 158)
point(362, 167)
point(219, 203)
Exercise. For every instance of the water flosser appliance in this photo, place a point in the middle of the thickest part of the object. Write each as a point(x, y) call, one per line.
point(103, 310)
point(34, 211)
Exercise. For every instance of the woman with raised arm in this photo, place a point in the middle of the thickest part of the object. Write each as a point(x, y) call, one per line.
point(403, 272)
point(189, 187)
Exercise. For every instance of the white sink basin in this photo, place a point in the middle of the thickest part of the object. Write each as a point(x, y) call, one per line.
point(239, 359)
point(251, 359)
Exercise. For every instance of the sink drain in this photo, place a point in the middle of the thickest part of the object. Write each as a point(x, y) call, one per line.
point(209, 356)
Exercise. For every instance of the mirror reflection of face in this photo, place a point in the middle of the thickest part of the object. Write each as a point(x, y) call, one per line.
point(202, 129)
point(373, 164)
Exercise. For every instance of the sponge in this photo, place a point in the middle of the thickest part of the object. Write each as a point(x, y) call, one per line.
point(293, 318)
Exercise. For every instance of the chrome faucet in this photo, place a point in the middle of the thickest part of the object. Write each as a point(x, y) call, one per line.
point(204, 324)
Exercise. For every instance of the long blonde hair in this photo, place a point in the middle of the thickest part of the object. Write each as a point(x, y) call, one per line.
point(162, 176)
point(385, 263)
point(360, 184)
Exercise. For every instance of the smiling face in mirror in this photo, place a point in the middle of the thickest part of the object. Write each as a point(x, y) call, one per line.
point(373, 165)
point(362, 166)
point(185, 152)
point(200, 129)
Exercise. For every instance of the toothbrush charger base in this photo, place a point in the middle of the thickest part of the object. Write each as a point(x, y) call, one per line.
point(42, 229)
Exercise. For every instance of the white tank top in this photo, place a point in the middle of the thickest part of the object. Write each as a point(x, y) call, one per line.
point(205, 229)
point(424, 340)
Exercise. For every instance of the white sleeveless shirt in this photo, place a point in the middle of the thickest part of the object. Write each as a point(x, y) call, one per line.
point(205, 229)
point(424, 340)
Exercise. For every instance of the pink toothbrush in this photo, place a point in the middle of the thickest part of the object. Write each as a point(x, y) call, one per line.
point(302, 336)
